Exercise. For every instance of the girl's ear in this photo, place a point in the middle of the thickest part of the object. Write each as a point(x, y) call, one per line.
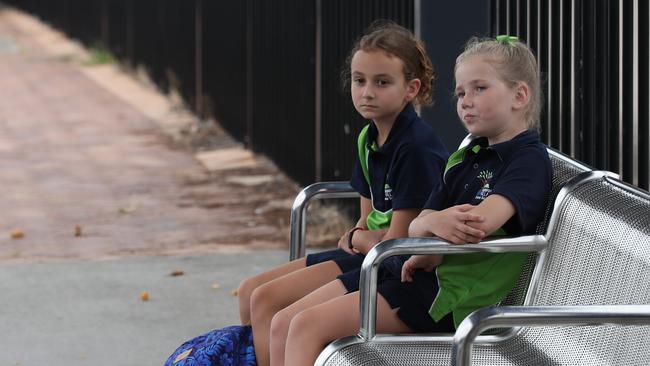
point(521, 96)
point(412, 89)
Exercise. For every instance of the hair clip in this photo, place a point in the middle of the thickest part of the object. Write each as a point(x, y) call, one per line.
point(506, 39)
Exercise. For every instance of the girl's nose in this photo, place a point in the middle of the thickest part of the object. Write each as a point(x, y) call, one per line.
point(466, 102)
point(368, 92)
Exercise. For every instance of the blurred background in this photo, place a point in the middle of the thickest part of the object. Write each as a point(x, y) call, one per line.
point(269, 71)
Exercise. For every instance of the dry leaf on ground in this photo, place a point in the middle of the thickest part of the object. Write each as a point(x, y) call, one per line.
point(17, 234)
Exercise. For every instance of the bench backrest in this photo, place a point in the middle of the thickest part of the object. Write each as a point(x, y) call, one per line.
point(564, 169)
point(599, 254)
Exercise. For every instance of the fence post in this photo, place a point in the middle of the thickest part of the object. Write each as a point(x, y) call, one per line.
point(198, 56)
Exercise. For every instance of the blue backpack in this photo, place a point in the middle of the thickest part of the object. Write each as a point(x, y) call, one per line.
point(230, 346)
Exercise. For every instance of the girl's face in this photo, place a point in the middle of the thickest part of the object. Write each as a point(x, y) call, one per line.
point(485, 104)
point(379, 90)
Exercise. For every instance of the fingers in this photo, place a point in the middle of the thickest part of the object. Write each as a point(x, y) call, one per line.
point(470, 217)
point(407, 272)
point(343, 244)
point(461, 238)
point(463, 228)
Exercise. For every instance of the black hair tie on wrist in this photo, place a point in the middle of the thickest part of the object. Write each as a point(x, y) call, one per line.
point(350, 236)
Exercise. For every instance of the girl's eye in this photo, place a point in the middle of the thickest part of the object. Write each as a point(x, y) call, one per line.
point(382, 82)
point(459, 95)
point(480, 88)
point(358, 80)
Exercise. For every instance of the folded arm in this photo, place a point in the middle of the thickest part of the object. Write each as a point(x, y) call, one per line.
point(458, 225)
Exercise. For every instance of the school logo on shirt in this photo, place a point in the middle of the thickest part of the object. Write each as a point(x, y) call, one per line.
point(388, 193)
point(485, 176)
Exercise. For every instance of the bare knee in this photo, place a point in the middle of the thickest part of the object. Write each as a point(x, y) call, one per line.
point(304, 326)
point(280, 325)
point(245, 290)
point(263, 304)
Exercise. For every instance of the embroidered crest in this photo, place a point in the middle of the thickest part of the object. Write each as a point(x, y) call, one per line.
point(388, 193)
point(485, 177)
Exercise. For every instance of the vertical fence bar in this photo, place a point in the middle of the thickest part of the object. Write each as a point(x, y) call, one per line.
point(540, 47)
point(198, 56)
point(528, 21)
point(497, 13)
point(417, 30)
point(508, 16)
point(549, 72)
point(104, 33)
point(130, 57)
point(318, 106)
point(635, 92)
point(248, 135)
point(572, 92)
point(620, 113)
point(560, 80)
point(417, 18)
point(518, 18)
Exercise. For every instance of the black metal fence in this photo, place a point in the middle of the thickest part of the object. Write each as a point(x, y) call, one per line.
point(594, 56)
point(251, 64)
point(268, 71)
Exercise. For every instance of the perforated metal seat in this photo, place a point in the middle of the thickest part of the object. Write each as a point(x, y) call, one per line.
point(598, 254)
point(564, 169)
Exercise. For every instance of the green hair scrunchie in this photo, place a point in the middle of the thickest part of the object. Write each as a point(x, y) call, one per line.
point(506, 39)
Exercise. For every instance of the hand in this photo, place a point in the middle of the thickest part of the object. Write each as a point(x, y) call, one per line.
point(426, 262)
point(343, 241)
point(451, 224)
point(364, 240)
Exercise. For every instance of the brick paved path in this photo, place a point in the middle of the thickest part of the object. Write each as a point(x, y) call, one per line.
point(72, 153)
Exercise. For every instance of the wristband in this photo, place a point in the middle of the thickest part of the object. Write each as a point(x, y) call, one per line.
point(350, 236)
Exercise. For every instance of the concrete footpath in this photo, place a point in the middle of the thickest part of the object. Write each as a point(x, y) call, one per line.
point(91, 313)
point(103, 200)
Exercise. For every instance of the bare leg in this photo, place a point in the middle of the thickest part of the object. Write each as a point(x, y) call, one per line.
point(312, 329)
point(277, 294)
point(248, 285)
point(282, 319)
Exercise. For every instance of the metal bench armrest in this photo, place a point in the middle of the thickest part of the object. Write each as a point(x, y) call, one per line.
point(535, 316)
point(319, 190)
point(410, 246)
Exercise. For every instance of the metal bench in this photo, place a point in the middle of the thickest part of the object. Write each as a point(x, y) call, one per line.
point(593, 270)
point(565, 169)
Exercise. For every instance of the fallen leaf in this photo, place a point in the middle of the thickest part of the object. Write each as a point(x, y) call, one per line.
point(176, 272)
point(216, 286)
point(77, 230)
point(144, 296)
point(235, 292)
point(17, 234)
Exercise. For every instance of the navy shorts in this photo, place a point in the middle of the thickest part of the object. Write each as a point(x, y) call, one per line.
point(412, 299)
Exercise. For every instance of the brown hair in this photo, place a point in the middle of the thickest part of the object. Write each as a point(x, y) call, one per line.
point(515, 63)
point(398, 41)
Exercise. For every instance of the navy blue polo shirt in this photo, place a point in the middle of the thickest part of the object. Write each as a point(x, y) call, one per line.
point(518, 169)
point(521, 171)
point(403, 171)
